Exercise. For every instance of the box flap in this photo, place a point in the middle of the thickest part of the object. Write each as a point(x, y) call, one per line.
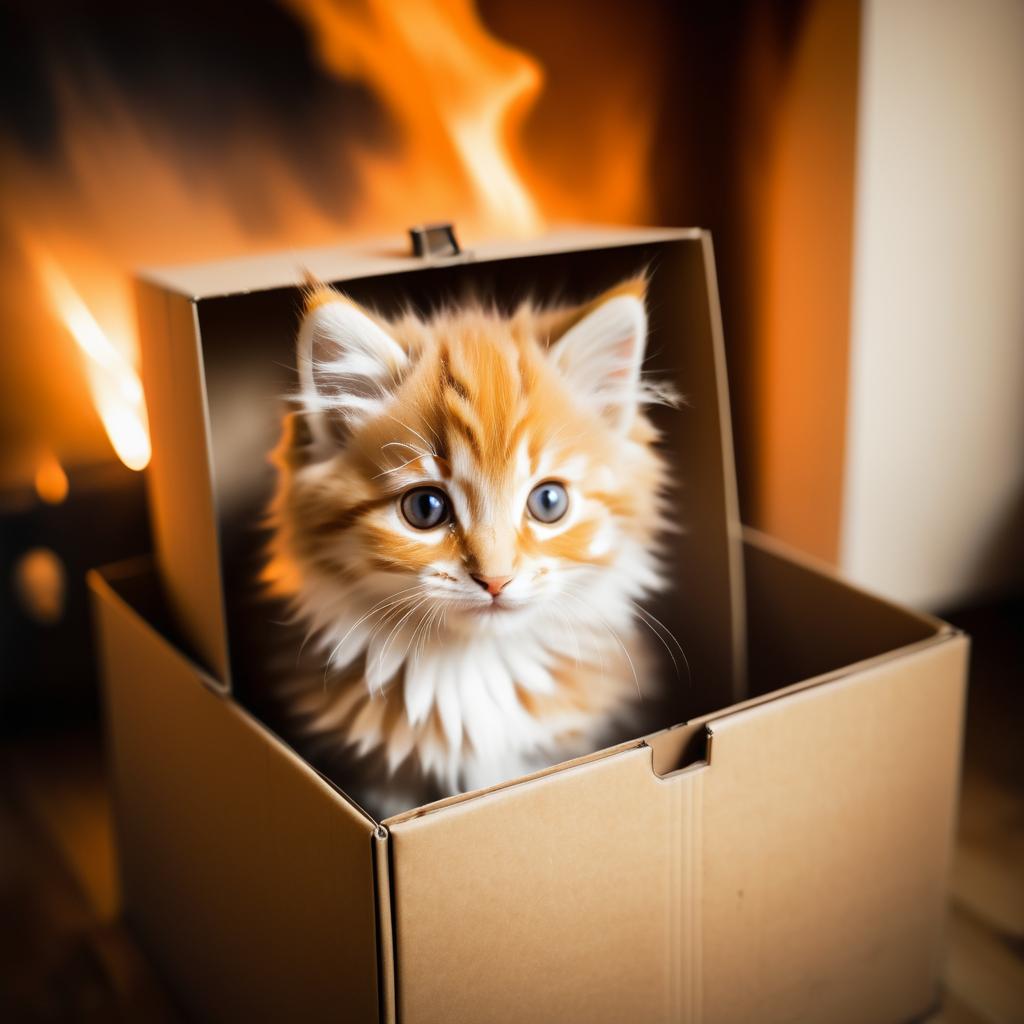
point(796, 874)
point(180, 474)
point(249, 877)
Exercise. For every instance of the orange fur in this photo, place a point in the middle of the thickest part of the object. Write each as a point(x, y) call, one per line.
point(478, 409)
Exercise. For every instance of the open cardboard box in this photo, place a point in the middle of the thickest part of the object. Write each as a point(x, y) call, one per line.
point(780, 855)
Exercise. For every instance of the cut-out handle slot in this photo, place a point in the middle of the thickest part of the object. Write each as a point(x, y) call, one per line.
point(677, 749)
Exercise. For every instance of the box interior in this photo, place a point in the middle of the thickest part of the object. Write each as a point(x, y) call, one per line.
point(247, 353)
point(804, 622)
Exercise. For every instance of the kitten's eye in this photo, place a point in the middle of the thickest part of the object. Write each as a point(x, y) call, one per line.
point(425, 507)
point(548, 502)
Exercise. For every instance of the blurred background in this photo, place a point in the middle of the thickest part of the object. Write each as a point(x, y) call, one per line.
point(860, 165)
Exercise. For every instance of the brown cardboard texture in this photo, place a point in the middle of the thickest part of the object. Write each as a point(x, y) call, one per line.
point(217, 346)
point(777, 853)
point(786, 861)
point(243, 870)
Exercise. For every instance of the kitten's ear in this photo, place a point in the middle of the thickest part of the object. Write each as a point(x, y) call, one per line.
point(348, 363)
point(601, 350)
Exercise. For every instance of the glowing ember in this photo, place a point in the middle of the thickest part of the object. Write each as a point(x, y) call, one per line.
point(51, 481)
point(114, 384)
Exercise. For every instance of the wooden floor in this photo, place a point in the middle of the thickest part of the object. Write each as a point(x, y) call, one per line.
point(65, 955)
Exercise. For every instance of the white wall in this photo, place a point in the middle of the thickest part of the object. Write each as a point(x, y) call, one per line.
point(934, 482)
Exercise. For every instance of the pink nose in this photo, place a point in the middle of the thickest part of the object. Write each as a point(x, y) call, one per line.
point(494, 585)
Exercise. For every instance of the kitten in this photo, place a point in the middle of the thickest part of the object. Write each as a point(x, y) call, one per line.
point(468, 508)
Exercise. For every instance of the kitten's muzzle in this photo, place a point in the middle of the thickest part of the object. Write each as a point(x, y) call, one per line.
point(494, 585)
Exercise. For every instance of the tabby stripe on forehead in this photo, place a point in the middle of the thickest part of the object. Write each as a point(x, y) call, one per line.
point(467, 430)
point(450, 381)
point(512, 444)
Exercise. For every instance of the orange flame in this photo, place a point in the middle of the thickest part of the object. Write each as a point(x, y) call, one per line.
point(442, 78)
point(115, 386)
point(460, 103)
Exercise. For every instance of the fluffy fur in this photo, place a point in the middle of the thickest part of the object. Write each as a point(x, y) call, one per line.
point(428, 679)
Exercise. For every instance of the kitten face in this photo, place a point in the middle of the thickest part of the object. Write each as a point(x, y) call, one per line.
point(476, 475)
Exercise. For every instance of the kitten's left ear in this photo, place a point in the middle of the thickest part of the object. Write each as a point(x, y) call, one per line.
point(347, 362)
point(600, 354)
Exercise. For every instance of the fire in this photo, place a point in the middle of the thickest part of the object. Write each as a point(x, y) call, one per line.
point(457, 95)
point(469, 134)
point(115, 385)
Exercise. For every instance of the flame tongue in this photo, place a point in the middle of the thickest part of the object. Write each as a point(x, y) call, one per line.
point(456, 94)
point(114, 384)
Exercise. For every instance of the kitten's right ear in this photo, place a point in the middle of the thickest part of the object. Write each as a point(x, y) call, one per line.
point(601, 350)
point(348, 364)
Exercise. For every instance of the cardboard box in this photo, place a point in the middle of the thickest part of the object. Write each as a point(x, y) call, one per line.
point(780, 855)
point(781, 860)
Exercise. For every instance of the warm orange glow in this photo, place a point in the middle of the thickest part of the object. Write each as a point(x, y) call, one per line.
point(801, 205)
point(40, 582)
point(115, 385)
point(456, 94)
point(51, 481)
point(467, 135)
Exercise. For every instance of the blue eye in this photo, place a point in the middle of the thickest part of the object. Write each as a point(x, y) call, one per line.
point(424, 507)
point(548, 502)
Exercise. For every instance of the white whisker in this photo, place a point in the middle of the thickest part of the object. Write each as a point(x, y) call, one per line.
point(622, 646)
point(420, 453)
point(412, 430)
point(396, 469)
point(362, 618)
point(647, 618)
point(391, 636)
